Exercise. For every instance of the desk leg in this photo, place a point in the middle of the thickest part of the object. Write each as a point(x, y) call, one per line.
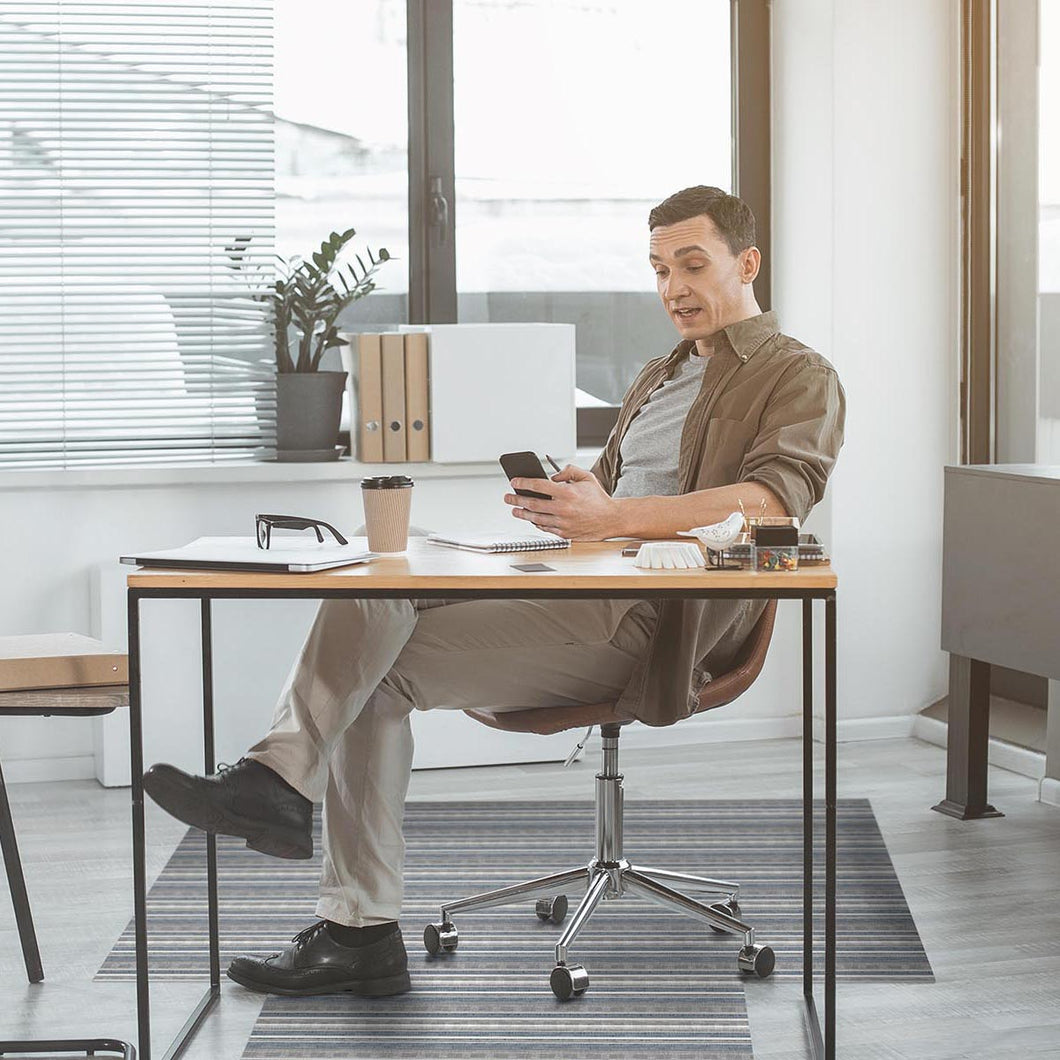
point(136, 746)
point(1049, 792)
point(807, 798)
point(830, 823)
point(968, 733)
point(209, 765)
point(813, 1025)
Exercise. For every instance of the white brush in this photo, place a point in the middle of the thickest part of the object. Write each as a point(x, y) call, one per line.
point(668, 555)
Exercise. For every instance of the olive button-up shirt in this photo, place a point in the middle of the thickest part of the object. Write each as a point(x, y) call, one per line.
point(769, 410)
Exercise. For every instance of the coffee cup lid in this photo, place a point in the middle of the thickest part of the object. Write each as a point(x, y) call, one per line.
point(386, 482)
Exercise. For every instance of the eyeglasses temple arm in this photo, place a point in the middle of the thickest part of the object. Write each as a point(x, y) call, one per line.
point(338, 537)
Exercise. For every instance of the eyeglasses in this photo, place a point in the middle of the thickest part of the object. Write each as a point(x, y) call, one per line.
point(263, 525)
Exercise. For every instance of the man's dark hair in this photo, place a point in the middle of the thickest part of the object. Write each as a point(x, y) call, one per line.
point(732, 217)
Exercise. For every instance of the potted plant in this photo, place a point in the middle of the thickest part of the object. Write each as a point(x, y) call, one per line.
point(306, 301)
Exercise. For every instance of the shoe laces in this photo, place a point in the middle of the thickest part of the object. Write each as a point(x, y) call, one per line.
point(224, 767)
point(306, 934)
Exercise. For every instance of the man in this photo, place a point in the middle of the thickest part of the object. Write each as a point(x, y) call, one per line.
point(737, 412)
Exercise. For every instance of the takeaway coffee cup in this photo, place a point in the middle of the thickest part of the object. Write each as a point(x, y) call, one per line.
point(387, 504)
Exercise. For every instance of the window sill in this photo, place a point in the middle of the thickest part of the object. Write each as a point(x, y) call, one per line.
point(167, 476)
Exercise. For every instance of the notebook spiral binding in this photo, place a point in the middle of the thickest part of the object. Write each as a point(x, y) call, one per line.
point(530, 544)
point(501, 543)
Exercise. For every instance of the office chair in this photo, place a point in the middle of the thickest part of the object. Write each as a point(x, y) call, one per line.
point(609, 874)
point(81, 702)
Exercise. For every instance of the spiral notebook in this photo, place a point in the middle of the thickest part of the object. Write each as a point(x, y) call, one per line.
point(499, 542)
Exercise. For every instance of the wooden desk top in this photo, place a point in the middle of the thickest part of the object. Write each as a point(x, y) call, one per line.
point(586, 565)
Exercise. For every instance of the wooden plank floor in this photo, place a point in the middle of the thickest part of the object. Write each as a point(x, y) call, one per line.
point(985, 896)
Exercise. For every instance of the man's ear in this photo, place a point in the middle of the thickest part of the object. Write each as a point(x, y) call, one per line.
point(751, 263)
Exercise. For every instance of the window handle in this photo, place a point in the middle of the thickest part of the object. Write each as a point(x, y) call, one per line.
point(439, 210)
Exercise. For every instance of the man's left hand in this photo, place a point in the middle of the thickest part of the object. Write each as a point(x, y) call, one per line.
point(579, 509)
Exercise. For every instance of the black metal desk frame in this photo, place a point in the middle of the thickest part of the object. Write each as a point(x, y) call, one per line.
point(821, 1038)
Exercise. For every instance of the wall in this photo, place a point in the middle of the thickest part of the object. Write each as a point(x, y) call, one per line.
point(866, 245)
point(62, 538)
point(865, 224)
point(64, 532)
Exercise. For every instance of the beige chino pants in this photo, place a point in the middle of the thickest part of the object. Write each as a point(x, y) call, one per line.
point(341, 732)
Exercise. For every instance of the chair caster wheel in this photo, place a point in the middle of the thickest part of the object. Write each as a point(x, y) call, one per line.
point(440, 937)
point(730, 907)
point(756, 960)
point(554, 909)
point(568, 980)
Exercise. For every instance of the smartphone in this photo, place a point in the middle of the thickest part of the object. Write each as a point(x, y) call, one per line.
point(525, 465)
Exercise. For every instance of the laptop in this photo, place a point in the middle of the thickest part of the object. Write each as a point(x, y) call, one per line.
point(242, 553)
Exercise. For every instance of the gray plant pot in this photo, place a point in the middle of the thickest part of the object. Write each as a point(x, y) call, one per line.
point(308, 408)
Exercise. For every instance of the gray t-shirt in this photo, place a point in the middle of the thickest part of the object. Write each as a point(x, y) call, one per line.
point(652, 443)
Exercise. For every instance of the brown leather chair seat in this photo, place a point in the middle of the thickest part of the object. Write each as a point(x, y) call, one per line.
point(724, 688)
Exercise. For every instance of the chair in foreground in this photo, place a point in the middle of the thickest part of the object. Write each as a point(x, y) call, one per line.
point(609, 874)
point(65, 658)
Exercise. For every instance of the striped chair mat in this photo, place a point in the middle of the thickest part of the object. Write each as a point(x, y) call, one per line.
point(658, 980)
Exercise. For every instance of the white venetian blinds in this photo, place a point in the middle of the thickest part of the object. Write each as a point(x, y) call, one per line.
point(136, 228)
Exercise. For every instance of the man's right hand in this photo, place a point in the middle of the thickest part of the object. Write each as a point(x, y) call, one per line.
point(579, 509)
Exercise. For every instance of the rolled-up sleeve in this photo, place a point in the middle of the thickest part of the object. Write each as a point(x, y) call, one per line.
point(799, 438)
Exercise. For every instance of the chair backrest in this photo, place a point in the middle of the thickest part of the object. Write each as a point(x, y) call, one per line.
point(722, 689)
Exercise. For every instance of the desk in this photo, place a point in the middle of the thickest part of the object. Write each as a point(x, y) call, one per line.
point(1000, 606)
point(587, 570)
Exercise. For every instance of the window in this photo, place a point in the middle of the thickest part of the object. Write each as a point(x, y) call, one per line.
point(570, 124)
point(540, 131)
point(1010, 400)
point(136, 208)
point(1048, 133)
point(342, 138)
point(157, 157)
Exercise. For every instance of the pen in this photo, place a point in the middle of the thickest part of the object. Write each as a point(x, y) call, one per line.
point(551, 461)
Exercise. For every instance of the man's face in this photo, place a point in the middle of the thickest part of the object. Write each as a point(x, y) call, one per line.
point(702, 285)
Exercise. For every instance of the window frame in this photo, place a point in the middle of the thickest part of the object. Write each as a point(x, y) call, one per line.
point(432, 176)
point(978, 370)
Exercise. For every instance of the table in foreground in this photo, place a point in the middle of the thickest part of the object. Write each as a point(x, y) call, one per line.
point(587, 570)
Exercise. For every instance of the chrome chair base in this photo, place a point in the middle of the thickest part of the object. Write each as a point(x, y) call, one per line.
point(609, 876)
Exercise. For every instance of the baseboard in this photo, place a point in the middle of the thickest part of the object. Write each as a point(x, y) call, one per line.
point(999, 753)
point(851, 730)
point(705, 729)
point(35, 770)
point(708, 729)
point(1049, 791)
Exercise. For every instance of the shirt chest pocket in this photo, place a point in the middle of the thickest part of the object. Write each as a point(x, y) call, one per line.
point(726, 444)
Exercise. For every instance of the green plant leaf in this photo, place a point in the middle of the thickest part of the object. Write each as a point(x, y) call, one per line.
point(308, 299)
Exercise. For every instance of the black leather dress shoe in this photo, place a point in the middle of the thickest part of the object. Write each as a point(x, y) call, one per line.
point(316, 964)
point(247, 799)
